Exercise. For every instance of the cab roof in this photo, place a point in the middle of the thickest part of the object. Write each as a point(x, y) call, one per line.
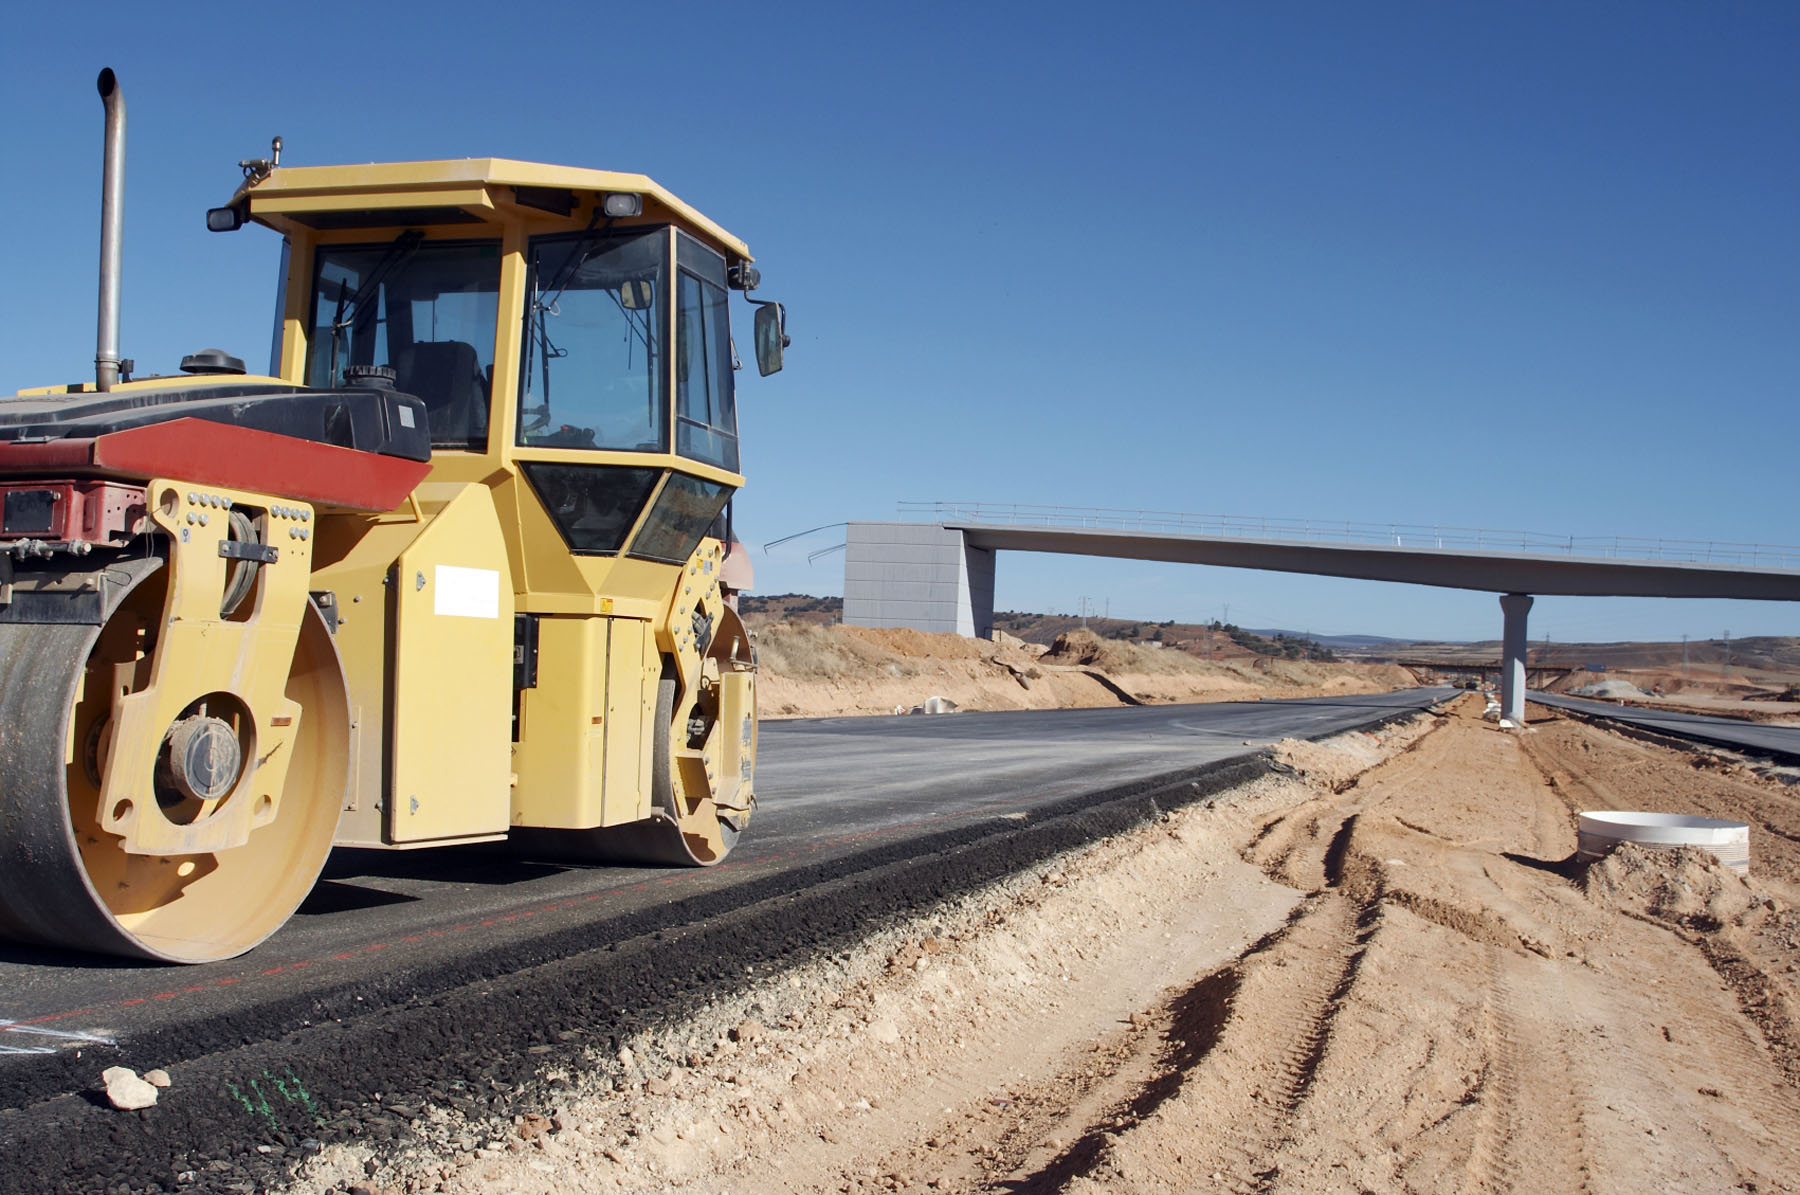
point(455, 191)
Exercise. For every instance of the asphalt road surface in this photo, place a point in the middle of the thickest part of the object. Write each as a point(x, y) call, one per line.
point(1755, 737)
point(838, 795)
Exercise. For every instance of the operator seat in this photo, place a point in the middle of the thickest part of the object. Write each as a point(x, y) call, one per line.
point(447, 375)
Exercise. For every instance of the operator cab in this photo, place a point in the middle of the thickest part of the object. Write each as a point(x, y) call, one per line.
point(570, 324)
point(594, 343)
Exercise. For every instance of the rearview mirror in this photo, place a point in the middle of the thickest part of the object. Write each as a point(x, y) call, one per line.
point(636, 295)
point(771, 337)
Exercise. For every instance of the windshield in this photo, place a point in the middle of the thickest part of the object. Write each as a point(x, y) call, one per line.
point(425, 310)
point(592, 375)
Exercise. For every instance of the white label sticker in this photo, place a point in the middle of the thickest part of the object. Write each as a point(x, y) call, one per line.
point(466, 592)
point(406, 419)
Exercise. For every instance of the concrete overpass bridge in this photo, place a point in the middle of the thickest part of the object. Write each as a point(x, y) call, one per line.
point(935, 569)
point(1537, 676)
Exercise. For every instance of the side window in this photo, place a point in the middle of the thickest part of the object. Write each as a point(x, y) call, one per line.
point(683, 513)
point(427, 311)
point(705, 407)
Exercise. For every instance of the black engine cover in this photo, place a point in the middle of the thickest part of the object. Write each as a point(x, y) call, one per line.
point(370, 419)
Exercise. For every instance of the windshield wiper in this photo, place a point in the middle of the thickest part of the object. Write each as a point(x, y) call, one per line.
point(537, 332)
point(350, 313)
point(540, 414)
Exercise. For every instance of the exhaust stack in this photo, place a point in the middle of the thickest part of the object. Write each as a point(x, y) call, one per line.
point(112, 227)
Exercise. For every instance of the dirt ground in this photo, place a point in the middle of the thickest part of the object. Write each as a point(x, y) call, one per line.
point(810, 671)
point(1381, 970)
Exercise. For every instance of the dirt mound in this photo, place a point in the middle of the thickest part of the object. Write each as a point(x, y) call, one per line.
point(1334, 761)
point(1085, 649)
point(1685, 885)
point(1612, 689)
point(921, 645)
point(1077, 647)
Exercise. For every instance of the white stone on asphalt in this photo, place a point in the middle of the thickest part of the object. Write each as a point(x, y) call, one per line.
point(126, 1091)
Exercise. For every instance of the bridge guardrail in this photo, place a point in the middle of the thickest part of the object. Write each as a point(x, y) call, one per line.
point(1398, 535)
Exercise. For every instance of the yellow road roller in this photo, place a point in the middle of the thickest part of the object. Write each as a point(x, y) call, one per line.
point(458, 569)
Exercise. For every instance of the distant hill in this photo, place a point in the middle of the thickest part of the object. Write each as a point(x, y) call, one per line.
point(1337, 642)
point(790, 607)
point(1216, 640)
point(1774, 653)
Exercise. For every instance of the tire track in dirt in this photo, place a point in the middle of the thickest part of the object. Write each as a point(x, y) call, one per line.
point(1529, 1135)
point(1251, 1037)
point(1291, 987)
point(1127, 1095)
point(1248, 1037)
point(1760, 995)
point(992, 1143)
point(1260, 1025)
point(1297, 993)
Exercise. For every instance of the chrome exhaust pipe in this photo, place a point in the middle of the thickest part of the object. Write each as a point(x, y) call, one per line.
point(112, 229)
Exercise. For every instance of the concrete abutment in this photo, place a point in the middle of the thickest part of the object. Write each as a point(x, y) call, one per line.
point(918, 575)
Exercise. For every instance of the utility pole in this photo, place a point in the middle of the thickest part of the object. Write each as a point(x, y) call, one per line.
point(1084, 610)
point(1727, 677)
point(1684, 666)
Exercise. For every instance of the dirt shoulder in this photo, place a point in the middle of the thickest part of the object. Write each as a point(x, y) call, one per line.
point(808, 670)
point(1774, 713)
point(1380, 971)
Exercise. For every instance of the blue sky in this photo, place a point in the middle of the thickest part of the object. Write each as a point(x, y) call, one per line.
point(1526, 266)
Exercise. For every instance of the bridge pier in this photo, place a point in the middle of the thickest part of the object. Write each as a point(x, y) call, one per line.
point(1513, 608)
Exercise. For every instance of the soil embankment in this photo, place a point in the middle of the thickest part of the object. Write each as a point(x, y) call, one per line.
point(818, 671)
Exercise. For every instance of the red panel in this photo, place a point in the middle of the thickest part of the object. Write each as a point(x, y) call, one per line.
point(219, 454)
point(45, 454)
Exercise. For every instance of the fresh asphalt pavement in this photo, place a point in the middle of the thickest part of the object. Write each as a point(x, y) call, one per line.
point(1755, 737)
point(383, 924)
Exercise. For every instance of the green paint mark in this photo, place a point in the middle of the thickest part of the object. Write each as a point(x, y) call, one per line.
point(298, 1095)
point(262, 1107)
point(287, 1085)
point(239, 1097)
point(312, 1109)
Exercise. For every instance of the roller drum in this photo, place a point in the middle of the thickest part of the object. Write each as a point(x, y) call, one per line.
point(64, 881)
